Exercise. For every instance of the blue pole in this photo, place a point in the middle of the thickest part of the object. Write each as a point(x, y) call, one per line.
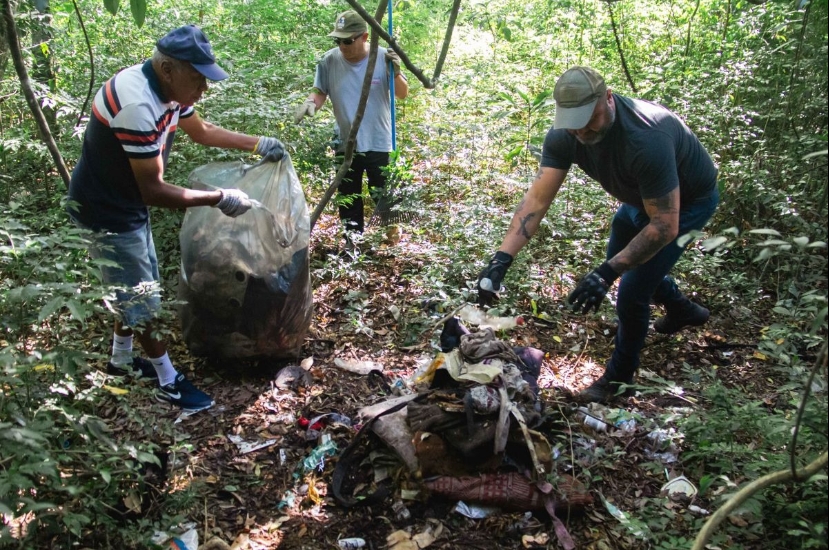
point(391, 88)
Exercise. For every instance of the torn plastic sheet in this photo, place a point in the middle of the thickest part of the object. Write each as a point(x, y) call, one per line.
point(246, 447)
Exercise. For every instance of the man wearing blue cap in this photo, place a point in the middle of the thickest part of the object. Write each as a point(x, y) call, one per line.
point(647, 158)
point(121, 172)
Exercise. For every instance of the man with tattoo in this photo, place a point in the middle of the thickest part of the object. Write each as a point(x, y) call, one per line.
point(646, 157)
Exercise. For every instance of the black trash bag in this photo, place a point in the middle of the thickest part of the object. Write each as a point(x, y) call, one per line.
point(245, 283)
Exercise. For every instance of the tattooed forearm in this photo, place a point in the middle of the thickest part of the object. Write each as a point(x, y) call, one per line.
point(662, 230)
point(523, 230)
point(521, 223)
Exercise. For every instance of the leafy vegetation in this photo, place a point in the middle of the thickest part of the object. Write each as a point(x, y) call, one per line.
point(749, 77)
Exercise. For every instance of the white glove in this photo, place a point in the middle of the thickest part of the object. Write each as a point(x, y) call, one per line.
point(309, 108)
point(234, 202)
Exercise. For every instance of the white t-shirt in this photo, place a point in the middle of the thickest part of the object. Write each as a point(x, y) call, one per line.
point(342, 82)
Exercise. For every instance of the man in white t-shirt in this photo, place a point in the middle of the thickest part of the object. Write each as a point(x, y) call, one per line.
point(340, 74)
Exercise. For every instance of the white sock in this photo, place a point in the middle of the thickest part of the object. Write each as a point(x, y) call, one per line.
point(121, 349)
point(164, 367)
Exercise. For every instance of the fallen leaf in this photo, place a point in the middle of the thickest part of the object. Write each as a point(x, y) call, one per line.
point(115, 391)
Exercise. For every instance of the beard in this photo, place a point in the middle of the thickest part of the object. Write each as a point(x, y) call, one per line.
point(593, 138)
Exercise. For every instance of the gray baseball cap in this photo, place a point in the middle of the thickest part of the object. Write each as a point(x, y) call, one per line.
point(576, 93)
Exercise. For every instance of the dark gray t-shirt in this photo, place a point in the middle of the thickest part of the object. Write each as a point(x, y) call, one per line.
point(647, 153)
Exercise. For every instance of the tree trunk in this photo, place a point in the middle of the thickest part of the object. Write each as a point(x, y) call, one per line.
point(26, 85)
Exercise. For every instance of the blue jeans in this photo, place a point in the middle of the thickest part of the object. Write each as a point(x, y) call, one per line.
point(648, 282)
point(135, 270)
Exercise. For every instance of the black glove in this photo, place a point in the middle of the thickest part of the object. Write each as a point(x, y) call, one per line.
point(271, 149)
point(592, 289)
point(489, 281)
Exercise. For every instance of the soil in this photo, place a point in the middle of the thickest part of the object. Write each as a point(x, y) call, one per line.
point(259, 500)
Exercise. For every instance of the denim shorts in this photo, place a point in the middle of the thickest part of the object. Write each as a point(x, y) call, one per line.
point(135, 273)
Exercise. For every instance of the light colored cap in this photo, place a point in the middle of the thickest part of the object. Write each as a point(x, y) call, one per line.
point(576, 93)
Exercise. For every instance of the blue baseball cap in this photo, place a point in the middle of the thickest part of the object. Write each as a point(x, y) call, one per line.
point(188, 43)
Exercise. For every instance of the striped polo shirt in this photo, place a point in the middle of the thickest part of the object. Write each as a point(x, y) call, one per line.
point(131, 118)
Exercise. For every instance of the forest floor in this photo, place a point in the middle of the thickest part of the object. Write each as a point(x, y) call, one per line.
point(263, 499)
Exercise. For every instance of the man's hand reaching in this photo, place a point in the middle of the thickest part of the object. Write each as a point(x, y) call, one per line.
point(489, 281)
point(592, 289)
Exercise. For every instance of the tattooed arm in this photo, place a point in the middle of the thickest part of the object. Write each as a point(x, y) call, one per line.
point(661, 231)
point(532, 209)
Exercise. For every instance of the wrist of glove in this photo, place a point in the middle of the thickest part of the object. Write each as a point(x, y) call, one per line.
point(592, 289)
point(271, 149)
point(308, 108)
point(489, 281)
point(394, 59)
point(234, 202)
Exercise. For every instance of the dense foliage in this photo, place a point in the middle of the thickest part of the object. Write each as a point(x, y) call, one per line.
point(750, 78)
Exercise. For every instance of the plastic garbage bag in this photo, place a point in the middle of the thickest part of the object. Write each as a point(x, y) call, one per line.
point(245, 282)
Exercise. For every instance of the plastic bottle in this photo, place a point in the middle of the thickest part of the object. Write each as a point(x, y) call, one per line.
point(400, 510)
point(585, 417)
point(351, 543)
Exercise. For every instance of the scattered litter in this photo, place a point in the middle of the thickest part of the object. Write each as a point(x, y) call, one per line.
point(475, 511)
point(283, 457)
point(314, 426)
point(587, 418)
point(246, 447)
point(636, 527)
point(351, 543)
point(185, 537)
point(402, 540)
point(535, 541)
point(292, 377)
point(358, 367)
point(401, 511)
point(679, 486)
point(316, 459)
point(663, 447)
point(288, 499)
point(694, 509)
point(474, 316)
point(627, 425)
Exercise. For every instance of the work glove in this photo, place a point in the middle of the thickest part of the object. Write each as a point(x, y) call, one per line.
point(391, 56)
point(592, 289)
point(309, 108)
point(270, 148)
point(234, 202)
point(489, 281)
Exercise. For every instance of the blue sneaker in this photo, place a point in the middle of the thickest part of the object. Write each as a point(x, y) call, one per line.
point(184, 394)
point(139, 368)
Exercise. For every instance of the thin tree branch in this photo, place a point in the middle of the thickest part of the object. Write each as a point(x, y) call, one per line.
point(619, 47)
point(91, 65)
point(820, 361)
point(28, 93)
point(743, 494)
point(453, 16)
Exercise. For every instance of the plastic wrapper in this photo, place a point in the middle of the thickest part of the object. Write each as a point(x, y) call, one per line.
point(245, 282)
